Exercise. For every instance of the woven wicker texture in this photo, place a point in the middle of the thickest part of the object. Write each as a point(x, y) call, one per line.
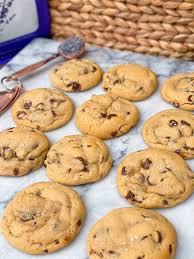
point(156, 27)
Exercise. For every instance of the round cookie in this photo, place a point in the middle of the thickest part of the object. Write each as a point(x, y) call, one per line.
point(132, 233)
point(42, 108)
point(155, 178)
point(131, 81)
point(21, 150)
point(179, 90)
point(106, 116)
point(76, 75)
point(43, 218)
point(171, 129)
point(78, 160)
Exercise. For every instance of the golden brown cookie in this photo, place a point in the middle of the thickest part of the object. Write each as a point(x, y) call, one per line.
point(78, 159)
point(171, 129)
point(131, 81)
point(43, 109)
point(132, 233)
point(179, 90)
point(106, 116)
point(22, 149)
point(155, 178)
point(43, 218)
point(76, 75)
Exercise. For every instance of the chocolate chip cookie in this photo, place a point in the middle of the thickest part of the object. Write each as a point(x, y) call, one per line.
point(43, 218)
point(43, 109)
point(21, 150)
point(155, 178)
point(76, 75)
point(106, 116)
point(173, 130)
point(131, 81)
point(78, 160)
point(179, 90)
point(132, 233)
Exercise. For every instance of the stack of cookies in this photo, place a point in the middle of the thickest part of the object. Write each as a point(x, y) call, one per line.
point(47, 216)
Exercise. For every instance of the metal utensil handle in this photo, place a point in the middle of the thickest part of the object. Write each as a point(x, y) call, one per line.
point(27, 70)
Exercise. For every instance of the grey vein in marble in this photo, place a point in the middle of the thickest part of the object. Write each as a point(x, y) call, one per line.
point(99, 197)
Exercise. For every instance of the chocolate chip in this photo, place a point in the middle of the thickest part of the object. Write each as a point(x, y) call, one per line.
point(170, 249)
point(34, 146)
point(140, 257)
point(118, 81)
point(144, 237)
point(44, 164)
point(56, 242)
point(79, 223)
point(130, 195)
point(103, 115)
point(94, 69)
point(114, 133)
point(83, 70)
point(124, 171)
point(21, 114)
point(84, 162)
point(16, 171)
point(128, 113)
point(178, 151)
point(146, 163)
point(45, 251)
point(185, 123)
point(53, 100)
point(75, 86)
point(157, 236)
point(190, 98)
point(53, 113)
point(177, 105)
point(173, 123)
point(27, 216)
point(31, 158)
point(27, 105)
point(165, 202)
point(111, 252)
point(111, 116)
point(188, 148)
point(141, 178)
point(145, 217)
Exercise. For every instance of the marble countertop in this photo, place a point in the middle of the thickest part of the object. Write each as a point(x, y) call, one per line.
point(101, 197)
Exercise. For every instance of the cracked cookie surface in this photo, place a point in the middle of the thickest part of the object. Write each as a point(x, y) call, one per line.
point(43, 218)
point(133, 233)
point(179, 91)
point(155, 178)
point(78, 159)
point(22, 149)
point(42, 108)
point(131, 81)
point(106, 116)
point(171, 129)
point(76, 75)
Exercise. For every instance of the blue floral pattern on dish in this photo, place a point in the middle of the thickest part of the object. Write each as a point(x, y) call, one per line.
point(6, 16)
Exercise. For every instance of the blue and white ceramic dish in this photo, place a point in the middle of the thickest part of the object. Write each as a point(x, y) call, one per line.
point(20, 22)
